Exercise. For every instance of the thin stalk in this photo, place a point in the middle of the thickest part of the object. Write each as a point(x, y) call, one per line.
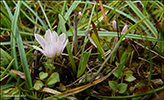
point(151, 68)
point(75, 34)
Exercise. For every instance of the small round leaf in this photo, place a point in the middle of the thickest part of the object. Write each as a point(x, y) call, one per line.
point(113, 85)
point(130, 78)
point(38, 85)
point(122, 87)
point(43, 75)
point(54, 78)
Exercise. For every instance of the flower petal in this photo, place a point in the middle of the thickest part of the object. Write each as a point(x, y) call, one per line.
point(65, 43)
point(52, 44)
point(59, 47)
point(62, 37)
point(50, 50)
point(54, 36)
point(80, 13)
point(48, 35)
point(37, 48)
point(41, 40)
point(114, 25)
point(124, 29)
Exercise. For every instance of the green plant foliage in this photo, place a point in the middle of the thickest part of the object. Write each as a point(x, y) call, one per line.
point(5, 57)
point(38, 85)
point(16, 35)
point(117, 73)
point(104, 54)
point(81, 69)
point(54, 78)
point(96, 41)
point(113, 85)
point(63, 29)
point(139, 13)
point(122, 87)
point(5, 71)
point(43, 75)
point(127, 73)
point(130, 78)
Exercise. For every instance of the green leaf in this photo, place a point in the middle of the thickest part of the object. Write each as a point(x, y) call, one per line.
point(124, 56)
point(82, 68)
point(122, 87)
point(43, 75)
point(54, 78)
point(67, 14)
point(130, 78)
point(116, 73)
point(5, 57)
point(38, 85)
point(30, 19)
point(113, 85)
point(96, 41)
point(128, 72)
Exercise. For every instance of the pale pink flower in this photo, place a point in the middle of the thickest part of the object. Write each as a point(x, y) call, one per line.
point(114, 25)
point(52, 45)
point(125, 28)
point(80, 14)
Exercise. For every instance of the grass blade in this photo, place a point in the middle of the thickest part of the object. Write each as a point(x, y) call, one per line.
point(44, 14)
point(85, 40)
point(146, 21)
point(67, 15)
point(15, 32)
point(44, 25)
point(84, 61)
point(31, 20)
point(114, 34)
point(73, 6)
point(96, 41)
point(12, 40)
point(68, 47)
point(8, 67)
point(117, 45)
point(118, 11)
point(21, 50)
